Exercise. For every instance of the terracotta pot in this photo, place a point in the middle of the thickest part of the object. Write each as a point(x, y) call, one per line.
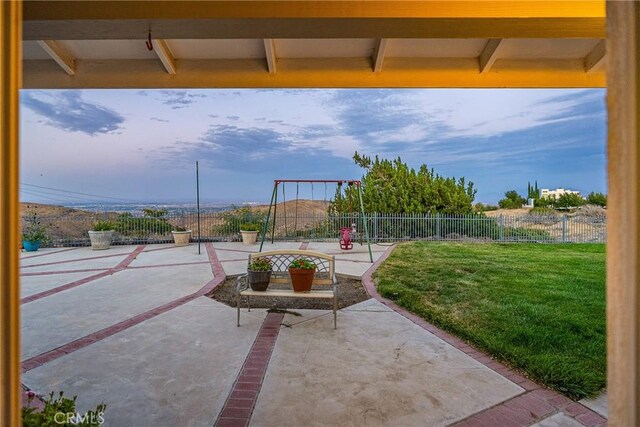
point(259, 280)
point(301, 279)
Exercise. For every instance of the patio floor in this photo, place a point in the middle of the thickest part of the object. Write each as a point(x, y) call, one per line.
point(131, 327)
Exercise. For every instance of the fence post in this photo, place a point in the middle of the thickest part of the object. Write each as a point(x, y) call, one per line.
point(438, 231)
point(375, 226)
point(501, 237)
point(564, 228)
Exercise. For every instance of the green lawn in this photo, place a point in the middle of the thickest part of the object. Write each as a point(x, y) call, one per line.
point(539, 307)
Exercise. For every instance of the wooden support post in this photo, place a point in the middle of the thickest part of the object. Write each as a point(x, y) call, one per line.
point(623, 217)
point(10, 82)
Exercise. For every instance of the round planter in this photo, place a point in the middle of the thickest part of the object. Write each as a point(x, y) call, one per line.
point(259, 280)
point(100, 239)
point(249, 237)
point(31, 246)
point(181, 238)
point(301, 279)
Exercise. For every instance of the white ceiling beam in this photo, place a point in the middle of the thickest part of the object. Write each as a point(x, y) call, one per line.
point(270, 53)
point(60, 54)
point(378, 55)
point(166, 57)
point(489, 54)
point(595, 59)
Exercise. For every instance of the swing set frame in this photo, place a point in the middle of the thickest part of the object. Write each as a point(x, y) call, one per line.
point(274, 203)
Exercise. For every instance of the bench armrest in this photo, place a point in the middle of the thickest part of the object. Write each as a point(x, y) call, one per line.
point(239, 285)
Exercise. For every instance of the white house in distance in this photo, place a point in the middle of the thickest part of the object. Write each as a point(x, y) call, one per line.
point(545, 192)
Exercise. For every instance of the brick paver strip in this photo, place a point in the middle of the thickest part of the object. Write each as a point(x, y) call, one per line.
point(121, 266)
point(50, 355)
point(49, 273)
point(47, 253)
point(244, 393)
point(304, 246)
point(67, 261)
point(522, 410)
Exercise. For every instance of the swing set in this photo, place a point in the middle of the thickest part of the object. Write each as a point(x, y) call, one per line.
point(346, 233)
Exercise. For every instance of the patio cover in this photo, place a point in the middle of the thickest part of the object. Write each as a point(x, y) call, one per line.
point(207, 44)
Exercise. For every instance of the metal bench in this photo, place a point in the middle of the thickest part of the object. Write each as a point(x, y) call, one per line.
point(280, 260)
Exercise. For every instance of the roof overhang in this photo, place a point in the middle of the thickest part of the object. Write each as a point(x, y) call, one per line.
point(207, 44)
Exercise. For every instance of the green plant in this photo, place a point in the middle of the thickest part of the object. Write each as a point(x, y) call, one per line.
point(179, 229)
point(250, 227)
point(302, 263)
point(391, 186)
point(542, 211)
point(231, 220)
point(60, 411)
point(599, 199)
point(570, 200)
point(33, 230)
point(260, 264)
point(545, 202)
point(128, 225)
point(512, 200)
point(103, 226)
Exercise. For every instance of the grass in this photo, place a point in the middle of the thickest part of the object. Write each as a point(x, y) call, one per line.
point(540, 308)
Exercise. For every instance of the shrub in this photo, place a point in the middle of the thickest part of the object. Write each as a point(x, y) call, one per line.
point(33, 230)
point(545, 202)
point(569, 200)
point(128, 225)
point(598, 199)
point(231, 220)
point(528, 234)
point(542, 211)
point(54, 406)
point(512, 200)
point(480, 207)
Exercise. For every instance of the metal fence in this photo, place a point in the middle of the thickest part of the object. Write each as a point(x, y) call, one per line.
point(225, 226)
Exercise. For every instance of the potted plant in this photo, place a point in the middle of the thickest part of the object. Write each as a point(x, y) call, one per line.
point(101, 235)
point(34, 233)
point(259, 274)
point(181, 236)
point(249, 232)
point(302, 271)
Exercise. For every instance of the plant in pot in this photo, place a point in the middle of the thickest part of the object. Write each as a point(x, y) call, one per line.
point(34, 233)
point(302, 271)
point(249, 232)
point(181, 236)
point(101, 235)
point(259, 274)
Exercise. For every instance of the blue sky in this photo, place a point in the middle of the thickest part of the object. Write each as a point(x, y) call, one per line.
point(141, 145)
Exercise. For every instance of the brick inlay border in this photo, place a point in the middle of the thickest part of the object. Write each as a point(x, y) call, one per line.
point(121, 266)
point(47, 253)
point(304, 246)
point(67, 261)
point(238, 408)
point(525, 409)
point(41, 359)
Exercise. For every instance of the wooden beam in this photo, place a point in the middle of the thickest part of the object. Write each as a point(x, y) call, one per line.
point(60, 54)
point(378, 55)
point(489, 54)
point(270, 53)
point(158, 9)
point(595, 59)
point(623, 213)
point(279, 28)
point(316, 72)
point(166, 57)
point(10, 84)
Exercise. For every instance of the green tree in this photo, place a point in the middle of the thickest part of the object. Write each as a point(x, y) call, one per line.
point(599, 199)
point(569, 200)
point(391, 186)
point(512, 200)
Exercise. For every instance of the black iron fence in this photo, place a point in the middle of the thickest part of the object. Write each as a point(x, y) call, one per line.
point(225, 226)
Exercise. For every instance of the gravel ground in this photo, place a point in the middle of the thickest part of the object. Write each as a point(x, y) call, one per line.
point(350, 292)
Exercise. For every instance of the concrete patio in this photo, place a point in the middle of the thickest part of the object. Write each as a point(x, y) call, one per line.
point(131, 327)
